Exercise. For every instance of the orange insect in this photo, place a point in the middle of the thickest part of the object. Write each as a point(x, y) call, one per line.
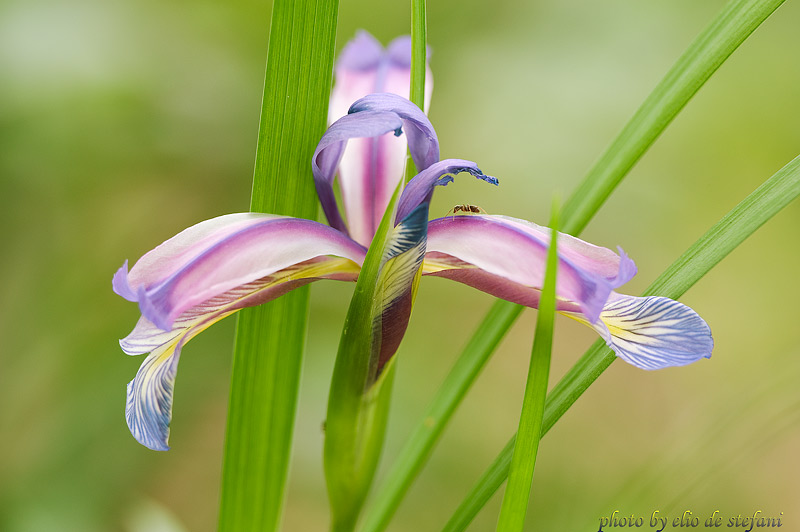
point(466, 209)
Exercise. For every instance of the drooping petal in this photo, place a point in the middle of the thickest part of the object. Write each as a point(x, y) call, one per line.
point(506, 258)
point(420, 189)
point(149, 400)
point(357, 184)
point(199, 264)
point(370, 167)
point(654, 332)
point(148, 408)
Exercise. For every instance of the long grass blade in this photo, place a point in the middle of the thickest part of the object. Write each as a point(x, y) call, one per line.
point(742, 221)
point(706, 53)
point(419, 40)
point(270, 338)
point(526, 445)
point(419, 62)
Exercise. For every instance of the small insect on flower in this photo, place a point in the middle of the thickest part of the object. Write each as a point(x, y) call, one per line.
point(466, 209)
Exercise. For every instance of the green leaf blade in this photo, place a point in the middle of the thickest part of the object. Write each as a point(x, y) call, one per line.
point(526, 446)
point(704, 56)
point(270, 338)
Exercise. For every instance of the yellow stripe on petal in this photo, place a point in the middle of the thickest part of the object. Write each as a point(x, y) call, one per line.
point(652, 332)
point(149, 397)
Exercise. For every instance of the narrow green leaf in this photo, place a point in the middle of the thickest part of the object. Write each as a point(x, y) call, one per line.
point(526, 447)
point(419, 62)
point(725, 33)
point(270, 338)
point(705, 55)
point(755, 210)
point(419, 40)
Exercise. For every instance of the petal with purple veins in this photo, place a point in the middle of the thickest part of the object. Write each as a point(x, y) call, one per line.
point(149, 401)
point(654, 332)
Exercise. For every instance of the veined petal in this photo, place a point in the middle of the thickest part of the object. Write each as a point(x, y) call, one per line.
point(149, 401)
point(420, 189)
point(148, 408)
point(182, 273)
point(357, 188)
point(654, 332)
point(398, 280)
point(506, 258)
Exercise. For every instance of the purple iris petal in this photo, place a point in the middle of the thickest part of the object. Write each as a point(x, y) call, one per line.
point(201, 271)
point(173, 254)
point(329, 153)
point(420, 189)
point(370, 168)
point(422, 140)
point(499, 256)
point(654, 332)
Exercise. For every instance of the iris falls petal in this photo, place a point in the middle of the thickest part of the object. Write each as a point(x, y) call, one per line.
point(182, 272)
point(148, 408)
point(507, 260)
point(149, 403)
point(654, 332)
point(505, 257)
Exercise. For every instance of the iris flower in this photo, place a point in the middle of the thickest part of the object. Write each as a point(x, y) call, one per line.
point(219, 266)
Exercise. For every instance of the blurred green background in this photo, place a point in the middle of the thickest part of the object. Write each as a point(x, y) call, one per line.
point(122, 123)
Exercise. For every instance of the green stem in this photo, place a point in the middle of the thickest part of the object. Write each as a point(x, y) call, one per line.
point(420, 445)
point(270, 338)
point(419, 40)
point(742, 221)
point(358, 402)
point(526, 447)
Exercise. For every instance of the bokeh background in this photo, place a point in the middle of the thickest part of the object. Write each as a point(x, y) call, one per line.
point(123, 122)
